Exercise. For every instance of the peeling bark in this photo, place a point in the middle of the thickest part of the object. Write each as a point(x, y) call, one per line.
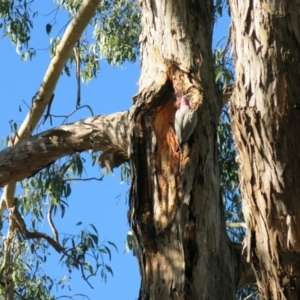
point(176, 209)
point(266, 126)
point(107, 133)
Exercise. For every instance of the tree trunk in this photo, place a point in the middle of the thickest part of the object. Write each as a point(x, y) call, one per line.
point(265, 112)
point(176, 210)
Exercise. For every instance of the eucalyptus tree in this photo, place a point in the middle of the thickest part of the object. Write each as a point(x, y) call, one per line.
point(176, 209)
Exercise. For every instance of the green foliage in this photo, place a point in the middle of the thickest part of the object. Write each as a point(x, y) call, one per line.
point(94, 155)
point(224, 75)
point(229, 169)
point(247, 293)
point(16, 21)
point(229, 177)
point(117, 30)
point(42, 195)
point(113, 34)
point(26, 271)
point(218, 7)
point(223, 68)
point(50, 185)
point(86, 245)
point(125, 173)
point(83, 251)
point(114, 29)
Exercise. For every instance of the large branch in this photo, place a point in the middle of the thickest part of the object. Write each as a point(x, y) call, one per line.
point(107, 133)
point(44, 94)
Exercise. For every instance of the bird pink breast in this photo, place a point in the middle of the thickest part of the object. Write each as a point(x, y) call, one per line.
point(184, 101)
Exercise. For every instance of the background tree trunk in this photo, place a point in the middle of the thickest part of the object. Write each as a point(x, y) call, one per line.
point(176, 209)
point(266, 124)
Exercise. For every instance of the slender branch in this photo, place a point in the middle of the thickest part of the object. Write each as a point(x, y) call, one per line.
point(62, 171)
point(44, 94)
point(71, 297)
point(85, 179)
point(77, 68)
point(81, 265)
point(236, 225)
point(250, 296)
point(51, 223)
point(63, 52)
point(20, 224)
point(73, 112)
point(39, 103)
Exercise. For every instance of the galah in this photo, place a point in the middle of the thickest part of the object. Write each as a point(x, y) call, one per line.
point(185, 121)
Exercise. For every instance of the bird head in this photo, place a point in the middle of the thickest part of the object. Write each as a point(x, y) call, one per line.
point(184, 101)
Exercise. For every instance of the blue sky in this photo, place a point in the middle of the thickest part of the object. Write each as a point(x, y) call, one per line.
point(101, 203)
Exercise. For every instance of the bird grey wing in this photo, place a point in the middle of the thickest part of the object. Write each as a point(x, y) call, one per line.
point(190, 123)
point(194, 118)
point(178, 125)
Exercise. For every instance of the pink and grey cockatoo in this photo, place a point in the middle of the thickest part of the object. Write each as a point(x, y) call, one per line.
point(185, 121)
